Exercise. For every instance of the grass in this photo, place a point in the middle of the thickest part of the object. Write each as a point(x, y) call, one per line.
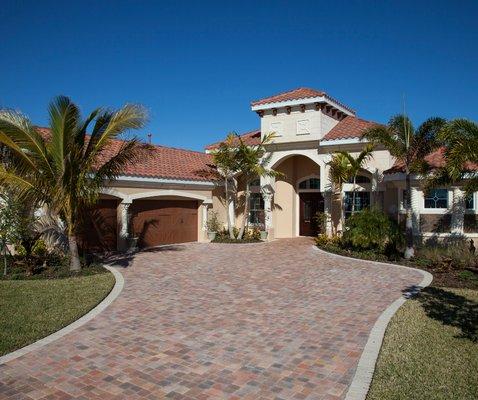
point(33, 309)
point(430, 350)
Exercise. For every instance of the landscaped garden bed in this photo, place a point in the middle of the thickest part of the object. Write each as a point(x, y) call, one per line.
point(35, 308)
point(430, 349)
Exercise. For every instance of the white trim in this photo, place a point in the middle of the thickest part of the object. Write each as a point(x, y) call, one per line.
point(298, 102)
point(335, 142)
point(168, 192)
point(113, 192)
point(163, 180)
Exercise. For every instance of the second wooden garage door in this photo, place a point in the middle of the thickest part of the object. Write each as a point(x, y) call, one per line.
point(157, 222)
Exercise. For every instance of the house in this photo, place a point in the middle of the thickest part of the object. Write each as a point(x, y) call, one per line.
point(166, 197)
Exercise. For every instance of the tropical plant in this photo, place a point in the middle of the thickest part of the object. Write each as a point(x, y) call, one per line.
point(252, 163)
point(67, 169)
point(339, 172)
point(356, 164)
point(225, 159)
point(212, 223)
point(370, 229)
point(409, 146)
point(460, 140)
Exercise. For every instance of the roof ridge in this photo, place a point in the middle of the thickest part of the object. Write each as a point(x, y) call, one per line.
point(289, 91)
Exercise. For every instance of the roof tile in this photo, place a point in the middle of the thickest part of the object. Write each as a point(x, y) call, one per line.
point(349, 128)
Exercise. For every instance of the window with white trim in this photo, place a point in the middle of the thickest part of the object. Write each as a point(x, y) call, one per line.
point(362, 201)
point(256, 209)
point(311, 183)
point(436, 198)
point(470, 201)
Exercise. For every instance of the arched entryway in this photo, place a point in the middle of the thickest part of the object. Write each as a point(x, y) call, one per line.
point(297, 196)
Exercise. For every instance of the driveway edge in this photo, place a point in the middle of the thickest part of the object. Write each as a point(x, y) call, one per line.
point(362, 379)
point(100, 307)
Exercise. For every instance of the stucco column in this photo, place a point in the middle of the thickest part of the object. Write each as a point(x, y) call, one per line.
point(458, 211)
point(267, 210)
point(123, 226)
point(416, 206)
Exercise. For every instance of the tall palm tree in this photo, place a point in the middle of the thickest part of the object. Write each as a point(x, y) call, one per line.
point(409, 146)
point(252, 163)
point(66, 170)
point(225, 159)
point(460, 139)
point(356, 164)
point(339, 172)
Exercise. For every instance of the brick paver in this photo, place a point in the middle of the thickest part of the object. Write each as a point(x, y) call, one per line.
point(215, 321)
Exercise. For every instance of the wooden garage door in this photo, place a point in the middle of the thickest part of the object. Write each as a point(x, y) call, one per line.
point(157, 222)
point(98, 232)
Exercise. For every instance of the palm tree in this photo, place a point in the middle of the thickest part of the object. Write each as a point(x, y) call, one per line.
point(339, 172)
point(356, 164)
point(66, 170)
point(252, 163)
point(225, 159)
point(409, 147)
point(460, 139)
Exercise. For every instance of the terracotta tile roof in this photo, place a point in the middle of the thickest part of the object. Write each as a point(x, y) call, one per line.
point(250, 138)
point(436, 159)
point(349, 128)
point(161, 162)
point(297, 94)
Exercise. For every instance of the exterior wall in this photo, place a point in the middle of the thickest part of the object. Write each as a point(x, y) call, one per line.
point(297, 126)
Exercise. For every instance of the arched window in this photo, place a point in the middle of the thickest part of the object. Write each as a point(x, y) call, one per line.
point(359, 179)
point(311, 183)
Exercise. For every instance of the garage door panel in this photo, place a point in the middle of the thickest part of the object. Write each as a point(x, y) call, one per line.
point(157, 222)
point(98, 231)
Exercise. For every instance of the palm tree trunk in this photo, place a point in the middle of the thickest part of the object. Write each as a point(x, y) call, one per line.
point(228, 215)
point(246, 212)
point(410, 251)
point(353, 194)
point(75, 264)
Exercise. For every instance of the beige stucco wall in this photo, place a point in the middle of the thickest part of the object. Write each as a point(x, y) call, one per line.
point(286, 125)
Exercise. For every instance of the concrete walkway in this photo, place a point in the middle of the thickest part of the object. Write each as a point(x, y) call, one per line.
point(215, 321)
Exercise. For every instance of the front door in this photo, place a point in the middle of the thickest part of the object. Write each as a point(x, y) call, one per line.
point(310, 205)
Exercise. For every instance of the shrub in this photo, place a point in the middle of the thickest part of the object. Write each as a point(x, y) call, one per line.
point(212, 223)
point(321, 220)
point(252, 233)
point(371, 229)
point(39, 248)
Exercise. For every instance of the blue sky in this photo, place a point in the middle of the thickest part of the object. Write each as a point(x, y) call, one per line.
point(197, 65)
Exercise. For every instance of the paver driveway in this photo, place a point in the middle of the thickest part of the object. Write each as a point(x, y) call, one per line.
point(197, 321)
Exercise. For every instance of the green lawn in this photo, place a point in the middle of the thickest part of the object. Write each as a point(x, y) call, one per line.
point(30, 310)
point(430, 350)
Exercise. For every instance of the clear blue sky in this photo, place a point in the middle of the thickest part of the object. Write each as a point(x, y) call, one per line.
point(197, 65)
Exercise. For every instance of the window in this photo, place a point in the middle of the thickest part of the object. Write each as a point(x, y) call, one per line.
point(256, 209)
point(312, 183)
point(303, 127)
point(359, 179)
point(404, 198)
point(470, 202)
point(436, 198)
point(362, 201)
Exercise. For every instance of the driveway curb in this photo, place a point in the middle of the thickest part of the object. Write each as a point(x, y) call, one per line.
point(362, 379)
point(113, 294)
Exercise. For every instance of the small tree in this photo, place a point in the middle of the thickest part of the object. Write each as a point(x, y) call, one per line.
point(460, 139)
point(66, 170)
point(9, 215)
point(252, 163)
point(339, 172)
point(409, 147)
point(225, 159)
point(355, 165)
